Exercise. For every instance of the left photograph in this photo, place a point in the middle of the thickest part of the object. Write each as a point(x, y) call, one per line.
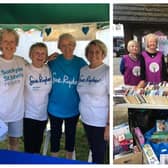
point(54, 83)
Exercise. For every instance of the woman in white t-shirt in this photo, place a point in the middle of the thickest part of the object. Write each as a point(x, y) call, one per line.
point(93, 89)
point(12, 75)
point(37, 87)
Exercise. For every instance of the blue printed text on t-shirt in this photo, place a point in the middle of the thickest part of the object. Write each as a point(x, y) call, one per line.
point(64, 80)
point(89, 79)
point(40, 79)
point(12, 74)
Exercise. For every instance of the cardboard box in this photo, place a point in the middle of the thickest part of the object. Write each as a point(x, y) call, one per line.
point(130, 158)
point(145, 159)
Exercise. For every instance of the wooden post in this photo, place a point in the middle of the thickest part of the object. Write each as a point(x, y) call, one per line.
point(127, 34)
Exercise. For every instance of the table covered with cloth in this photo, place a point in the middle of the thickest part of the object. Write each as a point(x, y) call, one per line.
point(13, 157)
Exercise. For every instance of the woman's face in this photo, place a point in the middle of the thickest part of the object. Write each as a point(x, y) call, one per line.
point(133, 49)
point(67, 47)
point(8, 45)
point(38, 56)
point(152, 43)
point(95, 56)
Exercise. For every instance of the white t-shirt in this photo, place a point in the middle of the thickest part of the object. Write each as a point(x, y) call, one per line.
point(93, 89)
point(12, 74)
point(37, 87)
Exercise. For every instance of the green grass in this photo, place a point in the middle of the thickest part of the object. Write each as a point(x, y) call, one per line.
point(81, 147)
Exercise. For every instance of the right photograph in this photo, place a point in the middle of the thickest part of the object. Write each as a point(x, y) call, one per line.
point(140, 83)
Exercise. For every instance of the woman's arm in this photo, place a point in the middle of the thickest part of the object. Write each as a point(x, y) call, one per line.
point(122, 66)
point(141, 84)
point(53, 56)
point(107, 129)
point(164, 70)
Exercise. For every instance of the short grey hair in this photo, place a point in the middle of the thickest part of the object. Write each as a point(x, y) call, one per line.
point(148, 36)
point(11, 31)
point(66, 36)
point(130, 43)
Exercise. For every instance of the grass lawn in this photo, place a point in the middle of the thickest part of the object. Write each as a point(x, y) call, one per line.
point(81, 147)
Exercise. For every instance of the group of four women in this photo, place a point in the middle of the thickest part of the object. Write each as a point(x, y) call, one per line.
point(64, 89)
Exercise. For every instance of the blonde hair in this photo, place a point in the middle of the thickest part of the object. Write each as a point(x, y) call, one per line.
point(98, 43)
point(38, 44)
point(130, 43)
point(149, 36)
point(68, 37)
point(10, 31)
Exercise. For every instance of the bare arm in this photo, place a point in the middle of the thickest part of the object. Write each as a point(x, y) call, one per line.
point(107, 129)
point(141, 84)
point(52, 56)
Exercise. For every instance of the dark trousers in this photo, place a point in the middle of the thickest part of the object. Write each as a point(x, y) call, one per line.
point(33, 134)
point(96, 142)
point(56, 132)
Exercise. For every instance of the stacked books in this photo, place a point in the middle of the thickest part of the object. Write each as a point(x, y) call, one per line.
point(151, 94)
point(119, 94)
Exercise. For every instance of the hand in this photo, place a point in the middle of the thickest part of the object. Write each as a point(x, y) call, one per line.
point(52, 56)
point(106, 133)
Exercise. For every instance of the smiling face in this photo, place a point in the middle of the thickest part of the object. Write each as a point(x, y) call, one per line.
point(152, 43)
point(95, 56)
point(67, 47)
point(8, 45)
point(38, 56)
point(133, 48)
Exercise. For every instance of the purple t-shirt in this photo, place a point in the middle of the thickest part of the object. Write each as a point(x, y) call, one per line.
point(153, 67)
point(132, 71)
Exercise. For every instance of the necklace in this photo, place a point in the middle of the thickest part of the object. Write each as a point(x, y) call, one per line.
point(133, 57)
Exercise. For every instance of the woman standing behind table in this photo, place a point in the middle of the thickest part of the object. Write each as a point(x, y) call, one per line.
point(12, 75)
point(37, 87)
point(130, 69)
point(153, 71)
point(93, 89)
point(64, 99)
point(153, 66)
point(130, 64)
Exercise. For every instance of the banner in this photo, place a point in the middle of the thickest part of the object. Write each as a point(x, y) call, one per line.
point(79, 31)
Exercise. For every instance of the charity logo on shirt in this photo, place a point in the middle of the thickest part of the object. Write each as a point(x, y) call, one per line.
point(40, 79)
point(12, 76)
point(154, 67)
point(89, 79)
point(64, 80)
point(136, 71)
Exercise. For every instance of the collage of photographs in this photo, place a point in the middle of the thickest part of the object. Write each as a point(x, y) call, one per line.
point(84, 83)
